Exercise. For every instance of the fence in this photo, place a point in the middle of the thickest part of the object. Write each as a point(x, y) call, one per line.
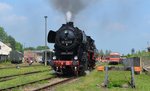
point(129, 62)
point(143, 62)
point(146, 63)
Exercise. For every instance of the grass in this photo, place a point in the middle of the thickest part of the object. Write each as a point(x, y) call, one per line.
point(92, 82)
point(143, 82)
point(14, 71)
point(5, 64)
point(24, 79)
point(9, 64)
point(87, 83)
point(118, 78)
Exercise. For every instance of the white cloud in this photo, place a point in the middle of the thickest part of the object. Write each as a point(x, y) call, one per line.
point(115, 26)
point(5, 7)
point(8, 16)
point(14, 19)
point(14, 24)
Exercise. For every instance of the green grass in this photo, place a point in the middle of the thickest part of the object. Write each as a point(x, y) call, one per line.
point(9, 64)
point(118, 78)
point(14, 71)
point(87, 83)
point(93, 81)
point(143, 82)
point(5, 64)
point(24, 79)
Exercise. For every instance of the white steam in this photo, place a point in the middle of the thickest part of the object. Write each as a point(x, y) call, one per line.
point(68, 16)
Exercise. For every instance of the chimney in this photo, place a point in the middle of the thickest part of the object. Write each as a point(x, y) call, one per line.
point(70, 24)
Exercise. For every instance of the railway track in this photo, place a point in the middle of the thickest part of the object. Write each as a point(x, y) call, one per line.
point(52, 85)
point(19, 66)
point(55, 81)
point(5, 78)
point(20, 85)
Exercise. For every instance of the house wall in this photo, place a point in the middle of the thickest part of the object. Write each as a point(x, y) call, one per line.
point(3, 57)
point(4, 51)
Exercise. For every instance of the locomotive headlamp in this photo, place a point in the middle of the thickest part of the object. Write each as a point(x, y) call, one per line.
point(75, 57)
point(54, 57)
point(66, 31)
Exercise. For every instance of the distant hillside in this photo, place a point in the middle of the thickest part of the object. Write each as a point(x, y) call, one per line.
point(9, 40)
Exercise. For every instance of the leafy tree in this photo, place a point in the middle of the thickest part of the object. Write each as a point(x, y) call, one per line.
point(101, 53)
point(42, 47)
point(19, 47)
point(132, 51)
point(128, 55)
point(29, 48)
point(12, 42)
point(9, 40)
point(37, 48)
point(139, 54)
point(107, 52)
point(3, 35)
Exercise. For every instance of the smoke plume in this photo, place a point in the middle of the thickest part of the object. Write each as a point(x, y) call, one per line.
point(68, 16)
point(70, 8)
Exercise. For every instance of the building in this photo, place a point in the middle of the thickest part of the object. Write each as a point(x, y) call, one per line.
point(36, 55)
point(4, 51)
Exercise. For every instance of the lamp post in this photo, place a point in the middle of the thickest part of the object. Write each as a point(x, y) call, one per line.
point(45, 40)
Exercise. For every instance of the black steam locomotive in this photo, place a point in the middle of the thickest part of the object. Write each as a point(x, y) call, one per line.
point(74, 51)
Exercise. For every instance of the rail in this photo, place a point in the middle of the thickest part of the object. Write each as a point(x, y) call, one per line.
point(9, 77)
point(47, 87)
point(12, 87)
point(18, 66)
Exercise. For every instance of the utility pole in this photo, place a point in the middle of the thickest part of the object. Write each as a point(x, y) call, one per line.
point(45, 40)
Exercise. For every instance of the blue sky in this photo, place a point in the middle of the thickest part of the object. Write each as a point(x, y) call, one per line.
point(117, 25)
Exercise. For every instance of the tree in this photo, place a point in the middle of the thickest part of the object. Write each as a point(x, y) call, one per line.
point(12, 42)
point(42, 47)
point(3, 35)
point(132, 51)
point(29, 48)
point(19, 47)
point(128, 56)
point(101, 53)
point(107, 52)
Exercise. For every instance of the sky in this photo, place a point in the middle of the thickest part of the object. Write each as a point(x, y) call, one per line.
point(117, 25)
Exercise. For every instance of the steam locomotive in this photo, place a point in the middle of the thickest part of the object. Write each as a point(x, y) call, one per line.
point(74, 50)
